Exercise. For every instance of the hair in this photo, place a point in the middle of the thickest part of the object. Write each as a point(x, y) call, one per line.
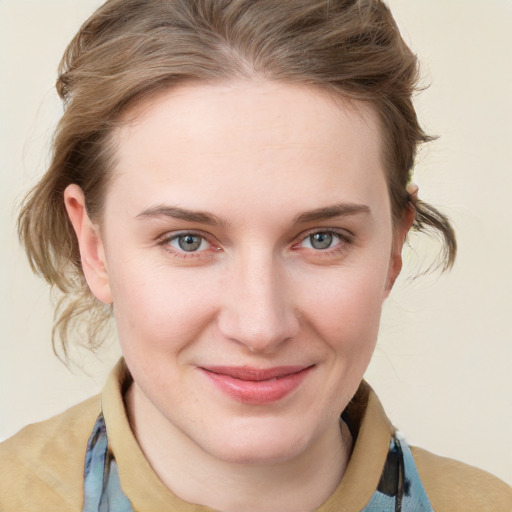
point(129, 50)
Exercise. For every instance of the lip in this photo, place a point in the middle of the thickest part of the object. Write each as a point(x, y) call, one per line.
point(254, 385)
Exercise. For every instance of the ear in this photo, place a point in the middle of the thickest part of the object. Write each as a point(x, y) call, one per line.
point(92, 253)
point(395, 261)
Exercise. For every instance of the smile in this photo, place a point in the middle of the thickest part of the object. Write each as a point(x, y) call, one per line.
point(257, 386)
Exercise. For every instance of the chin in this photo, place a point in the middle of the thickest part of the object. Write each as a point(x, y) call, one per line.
point(258, 446)
point(257, 455)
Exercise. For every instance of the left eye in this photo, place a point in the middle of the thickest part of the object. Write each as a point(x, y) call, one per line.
point(188, 242)
point(321, 240)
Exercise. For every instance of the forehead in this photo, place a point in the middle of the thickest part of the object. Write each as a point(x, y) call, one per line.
point(199, 108)
point(260, 136)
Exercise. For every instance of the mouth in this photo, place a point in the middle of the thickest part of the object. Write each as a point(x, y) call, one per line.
point(254, 385)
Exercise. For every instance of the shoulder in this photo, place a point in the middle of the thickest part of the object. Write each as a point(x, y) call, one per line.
point(41, 467)
point(453, 486)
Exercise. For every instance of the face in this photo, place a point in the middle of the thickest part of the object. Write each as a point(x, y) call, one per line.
point(247, 247)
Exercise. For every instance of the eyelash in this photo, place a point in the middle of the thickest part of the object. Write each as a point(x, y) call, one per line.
point(344, 237)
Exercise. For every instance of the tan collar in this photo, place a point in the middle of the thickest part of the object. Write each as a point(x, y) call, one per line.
point(364, 415)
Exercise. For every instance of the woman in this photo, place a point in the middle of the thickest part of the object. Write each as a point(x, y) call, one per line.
point(231, 180)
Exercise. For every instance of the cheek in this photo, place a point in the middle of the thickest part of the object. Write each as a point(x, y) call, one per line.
point(158, 309)
point(346, 304)
point(345, 316)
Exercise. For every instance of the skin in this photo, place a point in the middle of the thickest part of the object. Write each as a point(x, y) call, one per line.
point(257, 158)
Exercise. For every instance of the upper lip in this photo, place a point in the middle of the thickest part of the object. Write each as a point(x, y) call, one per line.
point(256, 374)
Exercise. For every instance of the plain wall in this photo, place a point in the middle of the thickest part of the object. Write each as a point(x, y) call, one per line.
point(443, 362)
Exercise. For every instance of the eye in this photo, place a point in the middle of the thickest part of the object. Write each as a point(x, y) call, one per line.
point(322, 240)
point(188, 242)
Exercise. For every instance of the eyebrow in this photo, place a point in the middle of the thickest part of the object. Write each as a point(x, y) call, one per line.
point(182, 214)
point(327, 212)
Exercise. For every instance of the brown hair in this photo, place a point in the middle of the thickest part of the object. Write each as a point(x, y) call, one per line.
point(130, 49)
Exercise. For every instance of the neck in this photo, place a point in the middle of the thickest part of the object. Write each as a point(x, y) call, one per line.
point(195, 476)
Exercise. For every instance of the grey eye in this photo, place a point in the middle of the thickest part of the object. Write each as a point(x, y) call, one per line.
point(321, 240)
point(188, 242)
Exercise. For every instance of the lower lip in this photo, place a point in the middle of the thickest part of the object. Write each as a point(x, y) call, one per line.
point(257, 392)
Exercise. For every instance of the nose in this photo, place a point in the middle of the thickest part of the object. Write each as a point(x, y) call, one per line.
point(257, 307)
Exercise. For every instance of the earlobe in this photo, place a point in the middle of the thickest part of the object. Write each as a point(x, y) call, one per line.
point(395, 261)
point(92, 253)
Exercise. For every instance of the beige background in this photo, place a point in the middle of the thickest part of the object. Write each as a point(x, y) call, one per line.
point(443, 363)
